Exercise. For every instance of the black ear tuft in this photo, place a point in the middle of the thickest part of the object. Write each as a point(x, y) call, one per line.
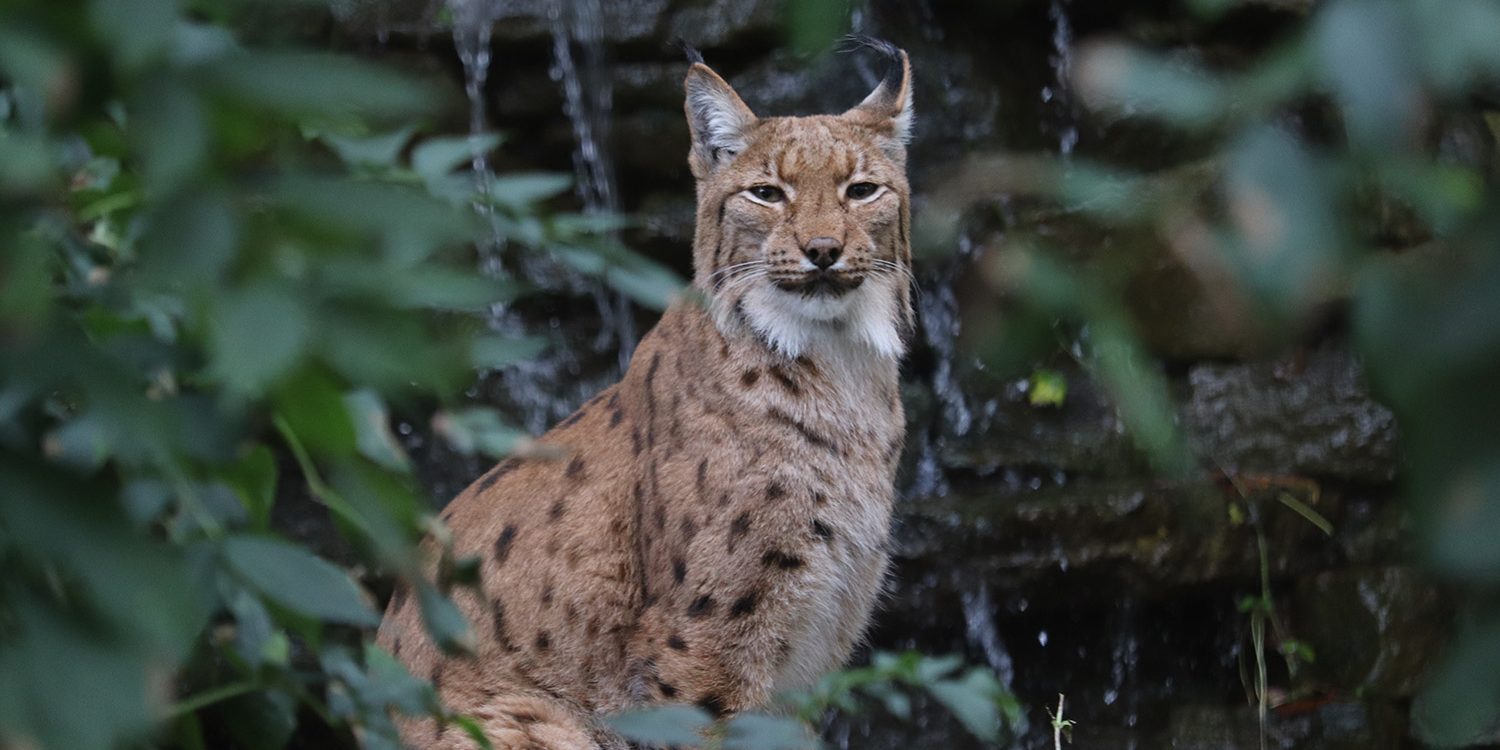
point(692, 53)
point(855, 41)
point(892, 53)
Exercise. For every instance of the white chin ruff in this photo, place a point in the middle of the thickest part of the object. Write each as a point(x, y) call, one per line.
point(795, 324)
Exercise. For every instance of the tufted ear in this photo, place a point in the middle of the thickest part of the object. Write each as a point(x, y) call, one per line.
point(718, 119)
point(888, 108)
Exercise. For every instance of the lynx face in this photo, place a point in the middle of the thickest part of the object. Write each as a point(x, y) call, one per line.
point(806, 217)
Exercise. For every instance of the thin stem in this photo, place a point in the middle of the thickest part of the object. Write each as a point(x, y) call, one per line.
point(221, 693)
point(321, 491)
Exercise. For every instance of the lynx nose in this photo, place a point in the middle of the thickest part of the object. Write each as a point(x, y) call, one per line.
point(823, 251)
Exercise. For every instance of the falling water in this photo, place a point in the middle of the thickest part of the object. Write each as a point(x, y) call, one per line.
point(979, 626)
point(937, 310)
point(1124, 661)
point(545, 389)
point(588, 95)
point(1058, 93)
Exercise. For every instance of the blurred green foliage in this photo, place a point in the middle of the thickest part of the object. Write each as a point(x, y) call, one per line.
point(1291, 214)
point(223, 264)
point(974, 696)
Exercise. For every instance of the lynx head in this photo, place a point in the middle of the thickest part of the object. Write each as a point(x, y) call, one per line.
point(802, 221)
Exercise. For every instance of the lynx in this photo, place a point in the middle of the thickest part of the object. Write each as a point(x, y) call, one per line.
point(715, 528)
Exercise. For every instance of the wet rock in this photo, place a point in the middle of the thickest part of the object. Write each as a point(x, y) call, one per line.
point(1083, 435)
point(1311, 415)
point(1144, 535)
point(1307, 415)
point(1332, 726)
point(718, 23)
point(1373, 630)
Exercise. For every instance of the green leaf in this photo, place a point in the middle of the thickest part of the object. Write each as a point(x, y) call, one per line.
point(495, 352)
point(298, 580)
point(258, 335)
point(972, 699)
point(262, 720)
point(313, 406)
point(652, 285)
point(380, 150)
point(755, 731)
point(445, 624)
point(1460, 706)
point(519, 190)
point(136, 30)
point(372, 430)
point(49, 661)
point(145, 500)
point(254, 480)
point(170, 131)
point(1048, 388)
point(392, 686)
point(472, 728)
point(300, 84)
point(1123, 78)
point(480, 430)
point(663, 725)
point(436, 157)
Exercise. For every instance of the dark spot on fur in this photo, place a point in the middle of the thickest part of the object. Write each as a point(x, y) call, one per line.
point(744, 605)
point(575, 468)
point(572, 419)
point(737, 528)
point(703, 606)
point(778, 559)
point(497, 626)
point(819, 498)
point(525, 717)
point(676, 643)
point(723, 499)
point(689, 529)
point(615, 415)
point(821, 530)
point(679, 570)
point(748, 379)
point(806, 432)
point(651, 371)
point(635, 442)
point(503, 543)
point(500, 470)
point(775, 491)
point(785, 380)
point(555, 513)
point(543, 641)
point(807, 364)
point(713, 703)
point(702, 476)
point(396, 647)
point(660, 518)
point(547, 595)
point(668, 690)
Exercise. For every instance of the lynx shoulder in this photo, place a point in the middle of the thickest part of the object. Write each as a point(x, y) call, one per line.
point(715, 527)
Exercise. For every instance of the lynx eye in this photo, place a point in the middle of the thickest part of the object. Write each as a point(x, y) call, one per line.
point(768, 193)
point(861, 190)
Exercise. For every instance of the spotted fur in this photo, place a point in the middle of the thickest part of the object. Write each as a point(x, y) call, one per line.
point(716, 530)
